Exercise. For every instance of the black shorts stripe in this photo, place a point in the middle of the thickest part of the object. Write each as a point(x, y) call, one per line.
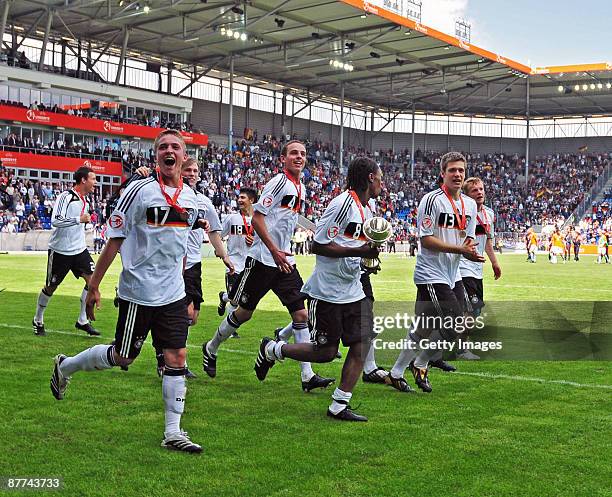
point(125, 202)
point(344, 210)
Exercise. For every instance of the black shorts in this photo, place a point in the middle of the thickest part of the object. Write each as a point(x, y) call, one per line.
point(168, 324)
point(257, 280)
point(436, 307)
point(329, 323)
point(193, 285)
point(231, 280)
point(473, 294)
point(58, 266)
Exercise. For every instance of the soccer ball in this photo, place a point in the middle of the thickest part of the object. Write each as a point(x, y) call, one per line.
point(377, 229)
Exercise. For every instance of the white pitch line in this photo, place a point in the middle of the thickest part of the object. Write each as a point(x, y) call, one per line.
point(535, 380)
point(489, 376)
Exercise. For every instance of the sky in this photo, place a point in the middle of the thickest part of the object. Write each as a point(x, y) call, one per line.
point(536, 33)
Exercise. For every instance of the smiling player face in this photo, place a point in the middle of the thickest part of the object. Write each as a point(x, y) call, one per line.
point(170, 155)
point(295, 159)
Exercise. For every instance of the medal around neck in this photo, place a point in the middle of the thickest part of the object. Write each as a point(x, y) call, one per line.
point(377, 230)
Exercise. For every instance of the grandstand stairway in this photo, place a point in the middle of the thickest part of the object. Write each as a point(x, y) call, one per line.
point(603, 183)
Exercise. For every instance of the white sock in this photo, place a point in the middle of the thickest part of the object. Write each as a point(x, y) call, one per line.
point(228, 326)
point(224, 297)
point(370, 362)
point(231, 308)
point(274, 350)
point(83, 315)
point(174, 389)
point(404, 359)
point(286, 333)
point(422, 359)
point(43, 300)
point(340, 400)
point(95, 358)
point(302, 335)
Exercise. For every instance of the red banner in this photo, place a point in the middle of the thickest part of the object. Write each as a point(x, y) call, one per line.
point(24, 115)
point(51, 162)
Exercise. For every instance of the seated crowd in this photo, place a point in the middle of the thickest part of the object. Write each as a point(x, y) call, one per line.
point(557, 184)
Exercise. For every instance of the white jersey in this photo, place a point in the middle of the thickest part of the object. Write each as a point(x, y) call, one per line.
point(280, 203)
point(155, 242)
point(236, 229)
point(196, 237)
point(485, 230)
point(68, 235)
point(435, 216)
point(337, 279)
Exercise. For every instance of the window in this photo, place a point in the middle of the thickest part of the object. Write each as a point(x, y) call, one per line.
point(44, 174)
point(4, 92)
point(33, 174)
point(55, 175)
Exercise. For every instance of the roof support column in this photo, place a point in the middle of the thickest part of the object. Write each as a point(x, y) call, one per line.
point(501, 136)
point(5, 12)
point(283, 112)
point(308, 99)
point(527, 140)
point(126, 37)
point(220, 105)
point(230, 130)
point(274, 113)
point(342, 126)
point(412, 146)
point(169, 78)
point(372, 131)
point(41, 61)
point(470, 136)
point(425, 136)
point(448, 146)
point(248, 107)
point(63, 68)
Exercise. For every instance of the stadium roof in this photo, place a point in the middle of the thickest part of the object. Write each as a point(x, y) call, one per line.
point(385, 61)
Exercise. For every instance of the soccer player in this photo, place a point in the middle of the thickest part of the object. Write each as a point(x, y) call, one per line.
point(569, 236)
point(239, 232)
point(337, 305)
point(556, 246)
point(270, 265)
point(471, 272)
point(150, 225)
point(67, 248)
point(601, 247)
point(532, 245)
point(446, 222)
point(192, 275)
point(577, 243)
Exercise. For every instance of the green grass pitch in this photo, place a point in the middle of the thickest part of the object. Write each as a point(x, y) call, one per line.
point(497, 429)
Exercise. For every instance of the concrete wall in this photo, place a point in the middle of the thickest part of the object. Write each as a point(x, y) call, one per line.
point(213, 119)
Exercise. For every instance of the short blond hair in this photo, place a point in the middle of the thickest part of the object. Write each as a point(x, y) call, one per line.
point(190, 161)
point(172, 132)
point(469, 182)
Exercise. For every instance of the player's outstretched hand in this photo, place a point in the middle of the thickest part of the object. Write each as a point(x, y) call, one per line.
point(92, 299)
point(469, 251)
point(204, 224)
point(143, 171)
point(369, 251)
point(496, 270)
point(280, 258)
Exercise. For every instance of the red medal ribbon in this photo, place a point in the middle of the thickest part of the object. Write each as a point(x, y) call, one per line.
point(172, 201)
point(82, 200)
point(486, 223)
point(358, 202)
point(298, 187)
point(247, 228)
point(460, 219)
